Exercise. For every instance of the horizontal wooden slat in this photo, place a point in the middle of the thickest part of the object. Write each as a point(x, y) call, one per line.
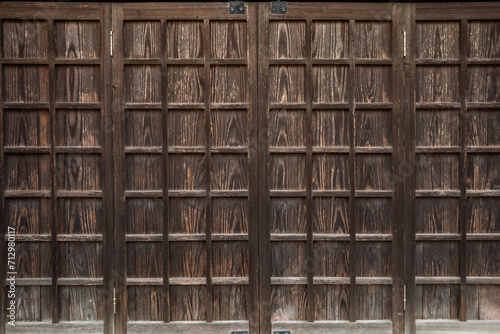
point(330, 106)
point(31, 281)
point(483, 61)
point(186, 237)
point(62, 327)
point(288, 280)
point(373, 280)
point(142, 106)
point(229, 149)
point(373, 105)
point(373, 237)
point(437, 193)
point(458, 327)
point(77, 105)
point(438, 105)
point(31, 237)
point(287, 105)
point(456, 11)
point(331, 237)
point(27, 149)
point(433, 61)
point(79, 281)
point(78, 149)
point(229, 193)
point(483, 280)
point(49, 11)
point(437, 280)
point(182, 106)
point(373, 193)
point(186, 193)
point(335, 11)
point(483, 149)
point(79, 193)
point(287, 193)
point(183, 149)
point(437, 236)
point(229, 106)
point(483, 193)
point(187, 281)
point(287, 149)
point(142, 61)
point(483, 105)
point(143, 193)
point(24, 61)
point(373, 149)
point(483, 236)
point(330, 193)
point(230, 280)
point(27, 193)
point(79, 237)
point(330, 149)
point(287, 61)
point(437, 149)
point(143, 150)
point(331, 280)
point(145, 281)
point(288, 237)
point(22, 105)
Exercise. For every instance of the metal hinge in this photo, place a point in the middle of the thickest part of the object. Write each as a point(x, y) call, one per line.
point(279, 7)
point(114, 301)
point(404, 298)
point(111, 43)
point(404, 44)
point(236, 7)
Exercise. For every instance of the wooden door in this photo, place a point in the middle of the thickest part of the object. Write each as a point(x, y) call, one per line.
point(454, 253)
point(185, 158)
point(56, 154)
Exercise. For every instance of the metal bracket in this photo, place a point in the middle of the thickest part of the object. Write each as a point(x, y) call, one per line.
point(279, 7)
point(237, 7)
point(281, 332)
point(239, 332)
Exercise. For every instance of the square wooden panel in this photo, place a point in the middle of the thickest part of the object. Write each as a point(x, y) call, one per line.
point(373, 39)
point(228, 39)
point(231, 302)
point(373, 128)
point(330, 128)
point(80, 84)
point(81, 303)
point(287, 128)
point(144, 259)
point(436, 215)
point(33, 259)
point(29, 215)
point(189, 259)
point(483, 215)
point(373, 172)
point(287, 215)
point(437, 84)
point(329, 84)
point(228, 84)
point(330, 215)
point(373, 259)
point(230, 259)
point(483, 128)
point(34, 303)
point(145, 303)
point(330, 39)
point(288, 259)
point(287, 39)
point(437, 128)
point(143, 128)
point(374, 302)
point(230, 215)
point(331, 259)
point(187, 215)
point(144, 215)
point(184, 39)
point(186, 128)
point(229, 172)
point(26, 128)
point(436, 302)
point(78, 128)
point(482, 44)
point(80, 216)
point(143, 84)
point(81, 259)
point(78, 39)
point(483, 258)
point(437, 171)
point(188, 303)
point(229, 128)
point(288, 302)
point(186, 172)
point(17, 34)
point(142, 39)
point(482, 84)
point(143, 172)
point(331, 302)
point(286, 84)
point(437, 39)
point(373, 84)
point(27, 172)
point(330, 172)
point(373, 215)
point(78, 171)
point(287, 171)
point(483, 301)
point(27, 83)
point(483, 171)
point(437, 258)
point(186, 84)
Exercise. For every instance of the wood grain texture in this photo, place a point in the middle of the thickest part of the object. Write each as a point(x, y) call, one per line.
point(331, 302)
point(184, 39)
point(78, 172)
point(287, 171)
point(186, 171)
point(25, 83)
point(229, 172)
point(142, 39)
point(330, 215)
point(372, 84)
point(483, 258)
point(438, 301)
point(483, 171)
point(437, 258)
point(145, 303)
point(29, 216)
point(286, 84)
point(144, 259)
point(329, 172)
point(482, 84)
point(144, 216)
point(483, 215)
point(484, 39)
point(373, 172)
point(190, 257)
point(228, 39)
point(230, 303)
point(482, 128)
point(25, 39)
point(288, 215)
point(81, 303)
point(373, 259)
point(287, 128)
point(188, 303)
point(26, 128)
point(374, 302)
point(78, 84)
point(437, 128)
point(288, 259)
point(80, 216)
point(287, 39)
point(230, 215)
point(78, 128)
point(436, 215)
point(437, 84)
point(230, 259)
point(186, 128)
point(331, 259)
point(483, 302)
point(330, 128)
point(329, 84)
point(185, 84)
point(80, 259)
point(77, 40)
point(373, 215)
point(143, 128)
point(373, 39)
point(31, 303)
point(27, 172)
point(437, 171)
point(143, 84)
point(33, 259)
point(187, 215)
point(329, 39)
point(228, 84)
point(437, 39)
point(288, 303)
point(373, 128)
point(229, 128)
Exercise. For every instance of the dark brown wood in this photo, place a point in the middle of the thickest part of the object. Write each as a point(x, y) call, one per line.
point(3, 214)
